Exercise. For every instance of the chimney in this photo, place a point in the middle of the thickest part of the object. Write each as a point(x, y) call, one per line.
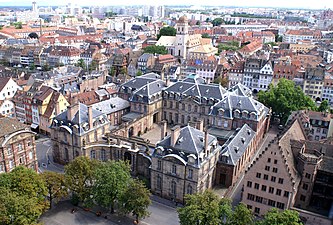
point(163, 129)
point(200, 125)
point(167, 82)
point(71, 110)
point(57, 108)
point(90, 117)
point(162, 74)
point(175, 131)
point(206, 141)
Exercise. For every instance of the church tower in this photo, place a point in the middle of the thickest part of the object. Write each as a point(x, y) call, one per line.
point(181, 37)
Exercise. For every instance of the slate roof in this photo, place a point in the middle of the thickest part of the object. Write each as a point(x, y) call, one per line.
point(111, 105)
point(196, 88)
point(240, 89)
point(80, 117)
point(3, 82)
point(236, 146)
point(231, 103)
point(190, 143)
point(190, 140)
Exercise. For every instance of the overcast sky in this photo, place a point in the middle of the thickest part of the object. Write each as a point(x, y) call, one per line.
point(263, 3)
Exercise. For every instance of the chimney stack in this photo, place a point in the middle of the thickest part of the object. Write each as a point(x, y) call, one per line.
point(200, 125)
point(163, 129)
point(90, 117)
point(71, 111)
point(175, 131)
point(206, 141)
point(57, 108)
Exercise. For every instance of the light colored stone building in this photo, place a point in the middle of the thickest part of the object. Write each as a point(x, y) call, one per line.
point(183, 163)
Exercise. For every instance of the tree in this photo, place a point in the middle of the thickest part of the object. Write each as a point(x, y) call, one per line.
point(46, 67)
point(22, 199)
point(81, 63)
point(111, 180)
point(18, 25)
point(18, 209)
point(284, 98)
point(139, 73)
point(156, 49)
point(33, 35)
point(225, 210)
point(32, 66)
point(242, 215)
point(324, 106)
point(223, 81)
point(80, 175)
point(167, 31)
point(55, 184)
point(205, 35)
point(93, 65)
point(112, 71)
point(276, 217)
point(217, 22)
point(136, 199)
point(200, 208)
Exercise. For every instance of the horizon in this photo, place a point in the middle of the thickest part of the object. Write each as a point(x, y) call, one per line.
point(283, 4)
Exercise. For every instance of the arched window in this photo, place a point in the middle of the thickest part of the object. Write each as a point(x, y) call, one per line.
point(103, 155)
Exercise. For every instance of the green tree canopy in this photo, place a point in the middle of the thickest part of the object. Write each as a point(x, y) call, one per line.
point(200, 208)
point(324, 106)
point(136, 199)
point(217, 22)
point(167, 31)
point(55, 184)
point(284, 98)
point(156, 49)
point(22, 198)
point(112, 179)
point(205, 35)
point(80, 175)
point(241, 215)
point(81, 63)
point(276, 217)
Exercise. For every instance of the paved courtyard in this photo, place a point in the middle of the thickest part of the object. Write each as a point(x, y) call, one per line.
point(61, 214)
point(154, 135)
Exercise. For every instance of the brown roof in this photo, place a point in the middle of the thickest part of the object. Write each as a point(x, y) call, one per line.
point(9, 126)
point(3, 82)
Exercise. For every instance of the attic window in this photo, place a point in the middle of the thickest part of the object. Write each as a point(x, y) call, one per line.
point(243, 140)
point(201, 138)
point(180, 140)
point(236, 149)
point(248, 132)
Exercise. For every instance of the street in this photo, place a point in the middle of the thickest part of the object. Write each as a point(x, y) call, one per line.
point(45, 158)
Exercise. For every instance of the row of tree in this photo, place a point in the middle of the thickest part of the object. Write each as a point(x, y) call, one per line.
point(108, 184)
point(25, 194)
point(208, 209)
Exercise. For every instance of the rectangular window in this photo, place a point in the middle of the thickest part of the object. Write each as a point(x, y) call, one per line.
point(280, 205)
point(190, 174)
point(267, 168)
point(256, 186)
point(256, 210)
point(280, 180)
point(302, 198)
point(271, 190)
point(278, 192)
point(249, 184)
point(275, 170)
point(271, 203)
point(259, 199)
point(159, 165)
point(174, 169)
point(265, 177)
point(269, 160)
point(275, 161)
point(258, 175)
point(286, 194)
point(263, 187)
point(273, 179)
point(9, 150)
point(305, 186)
point(307, 175)
point(250, 197)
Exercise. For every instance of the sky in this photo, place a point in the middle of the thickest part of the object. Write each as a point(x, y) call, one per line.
point(311, 4)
